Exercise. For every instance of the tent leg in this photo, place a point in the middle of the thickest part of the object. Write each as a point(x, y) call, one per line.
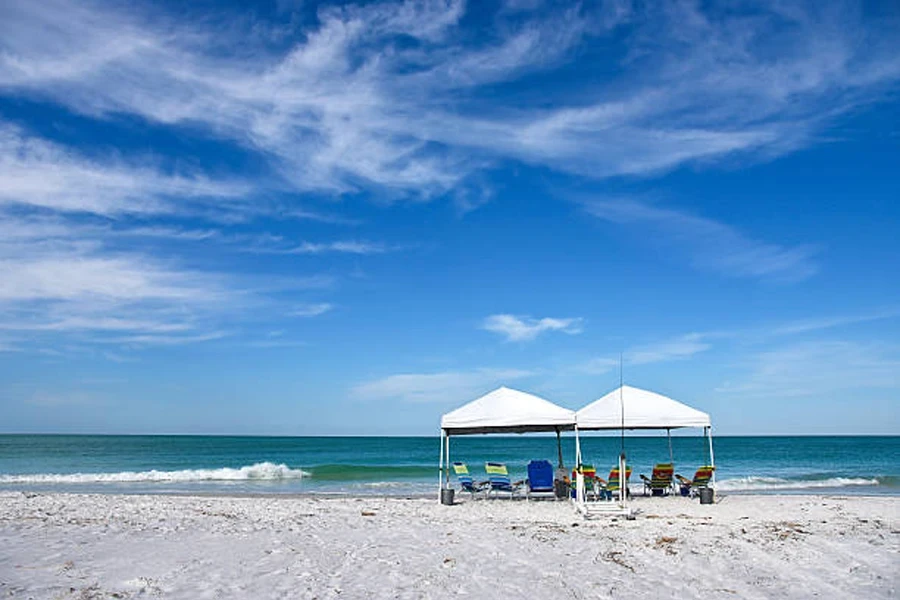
point(579, 478)
point(447, 462)
point(559, 448)
point(671, 456)
point(441, 466)
point(712, 457)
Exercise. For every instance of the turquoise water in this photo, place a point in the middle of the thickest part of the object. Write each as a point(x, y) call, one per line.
point(408, 465)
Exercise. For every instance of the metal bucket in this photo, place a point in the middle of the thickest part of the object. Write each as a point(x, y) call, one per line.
point(707, 495)
point(447, 496)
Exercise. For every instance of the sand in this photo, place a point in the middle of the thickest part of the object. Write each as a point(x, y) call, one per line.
point(107, 546)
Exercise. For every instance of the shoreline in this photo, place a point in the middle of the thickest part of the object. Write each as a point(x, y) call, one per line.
point(840, 493)
point(179, 546)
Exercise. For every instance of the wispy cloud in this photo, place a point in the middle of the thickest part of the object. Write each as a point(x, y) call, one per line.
point(522, 329)
point(596, 366)
point(818, 368)
point(709, 244)
point(678, 348)
point(311, 310)
point(823, 323)
point(35, 173)
point(344, 106)
point(336, 247)
point(441, 387)
point(63, 280)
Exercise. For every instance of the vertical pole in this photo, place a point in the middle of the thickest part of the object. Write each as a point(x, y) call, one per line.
point(579, 478)
point(622, 481)
point(441, 467)
point(712, 458)
point(559, 447)
point(671, 456)
point(447, 465)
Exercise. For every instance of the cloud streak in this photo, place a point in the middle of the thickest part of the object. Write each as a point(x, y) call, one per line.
point(524, 329)
point(35, 173)
point(440, 387)
point(818, 368)
point(342, 106)
point(709, 244)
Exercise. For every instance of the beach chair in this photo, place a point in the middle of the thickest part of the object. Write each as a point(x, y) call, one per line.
point(660, 481)
point(466, 483)
point(591, 483)
point(610, 488)
point(691, 487)
point(498, 480)
point(540, 479)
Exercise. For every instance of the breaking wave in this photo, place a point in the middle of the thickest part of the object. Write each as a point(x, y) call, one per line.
point(264, 471)
point(746, 484)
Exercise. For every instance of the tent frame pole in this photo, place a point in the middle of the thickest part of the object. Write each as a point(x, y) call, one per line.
point(579, 476)
point(671, 456)
point(441, 465)
point(559, 448)
point(712, 457)
point(447, 465)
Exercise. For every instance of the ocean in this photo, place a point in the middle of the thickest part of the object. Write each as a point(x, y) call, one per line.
point(408, 466)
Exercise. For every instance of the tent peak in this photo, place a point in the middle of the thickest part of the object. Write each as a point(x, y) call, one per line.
point(643, 409)
point(510, 410)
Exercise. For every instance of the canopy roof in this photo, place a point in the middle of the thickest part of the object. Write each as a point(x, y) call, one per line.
point(643, 410)
point(508, 411)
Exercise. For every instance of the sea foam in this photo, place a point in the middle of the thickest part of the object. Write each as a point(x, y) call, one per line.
point(264, 471)
point(774, 483)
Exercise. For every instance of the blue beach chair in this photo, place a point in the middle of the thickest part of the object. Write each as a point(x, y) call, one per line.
point(540, 479)
point(498, 480)
point(466, 483)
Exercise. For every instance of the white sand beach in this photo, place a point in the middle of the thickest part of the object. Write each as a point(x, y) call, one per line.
point(108, 546)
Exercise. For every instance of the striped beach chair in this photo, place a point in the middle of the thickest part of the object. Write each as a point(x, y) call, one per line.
point(498, 480)
point(660, 481)
point(466, 483)
point(613, 485)
point(592, 484)
point(691, 487)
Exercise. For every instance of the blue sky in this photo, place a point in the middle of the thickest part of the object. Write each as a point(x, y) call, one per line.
point(299, 218)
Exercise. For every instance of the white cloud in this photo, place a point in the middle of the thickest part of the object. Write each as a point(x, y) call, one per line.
point(346, 107)
point(596, 366)
point(36, 173)
point(338, 247)
point(709, 244)
point(442, 387)
point(521, 329)
point(63, 281)
point(311, 310)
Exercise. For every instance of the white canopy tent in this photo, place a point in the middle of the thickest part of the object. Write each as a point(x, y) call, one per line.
point(502, 411)
point(629, 407)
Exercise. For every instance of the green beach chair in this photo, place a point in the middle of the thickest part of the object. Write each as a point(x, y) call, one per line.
point(660, 481)
point(691, 487)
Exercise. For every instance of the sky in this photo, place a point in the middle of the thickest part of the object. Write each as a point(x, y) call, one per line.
point(292, 218)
